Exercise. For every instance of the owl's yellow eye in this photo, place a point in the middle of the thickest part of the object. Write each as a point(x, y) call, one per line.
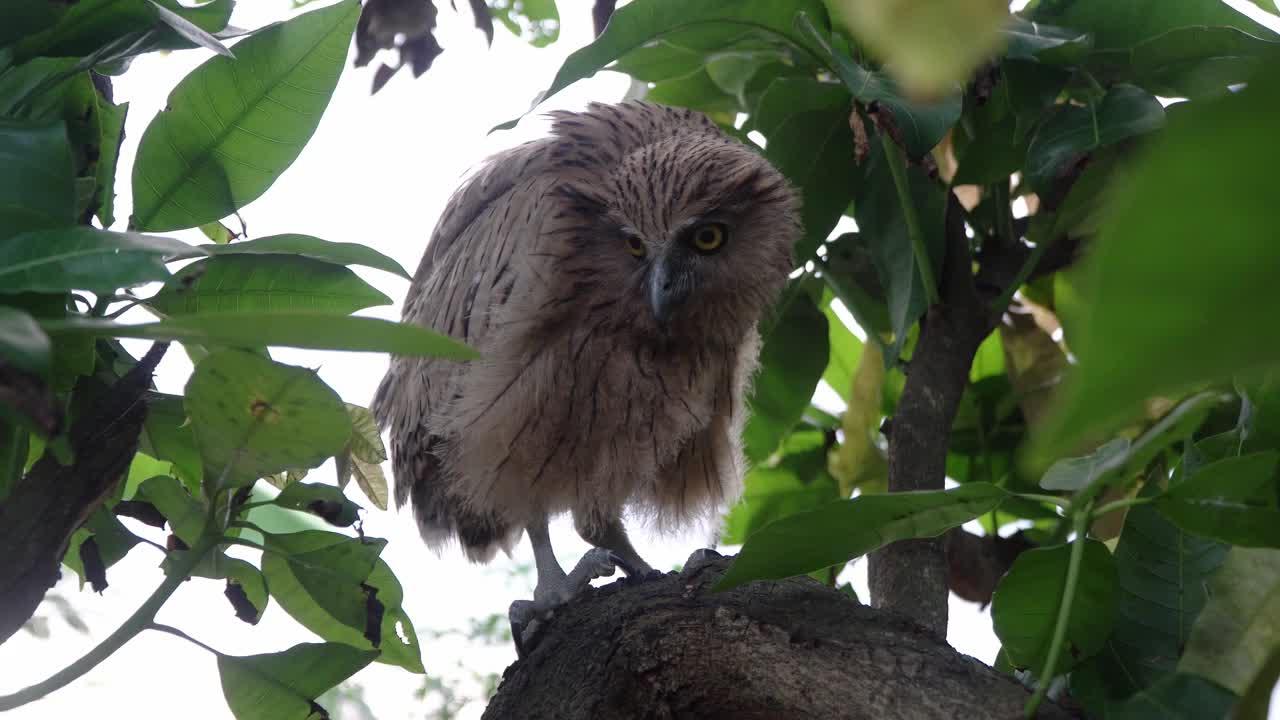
point(710, 237)
point(635, 246)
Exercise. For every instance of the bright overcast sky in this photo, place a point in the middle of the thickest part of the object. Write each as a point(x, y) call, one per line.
point(378, 171)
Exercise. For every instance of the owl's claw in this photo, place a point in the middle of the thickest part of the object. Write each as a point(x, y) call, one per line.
point(527, 617)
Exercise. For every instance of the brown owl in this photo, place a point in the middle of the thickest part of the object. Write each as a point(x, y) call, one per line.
point(612, 277)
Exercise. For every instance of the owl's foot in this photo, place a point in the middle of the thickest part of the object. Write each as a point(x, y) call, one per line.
point(527, 617)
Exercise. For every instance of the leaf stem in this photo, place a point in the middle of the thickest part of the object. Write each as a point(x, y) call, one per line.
point(1061, 502)
point(159, 627)
point(136, 623)
point(898, 168)
point(1120, 505)
point(1081, 522)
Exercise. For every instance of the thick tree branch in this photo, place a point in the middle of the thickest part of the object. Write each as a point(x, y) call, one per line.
point(46, 506)
point(910, 577)
point(671, 648)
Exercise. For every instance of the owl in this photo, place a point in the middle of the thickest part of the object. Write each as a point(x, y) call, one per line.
point(612, 276)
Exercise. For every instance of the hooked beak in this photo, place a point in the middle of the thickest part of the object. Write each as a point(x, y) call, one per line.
point(670, 282)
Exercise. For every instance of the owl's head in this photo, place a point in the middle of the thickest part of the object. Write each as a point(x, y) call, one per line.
point(688, 233)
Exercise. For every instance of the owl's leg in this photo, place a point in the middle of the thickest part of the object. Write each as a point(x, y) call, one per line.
point(612, 536)
point(554, 587)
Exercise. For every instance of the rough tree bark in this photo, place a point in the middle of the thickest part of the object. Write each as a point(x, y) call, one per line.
point(672, 648)
point(52, 500)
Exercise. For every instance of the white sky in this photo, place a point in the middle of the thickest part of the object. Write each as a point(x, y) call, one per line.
point(378, 171)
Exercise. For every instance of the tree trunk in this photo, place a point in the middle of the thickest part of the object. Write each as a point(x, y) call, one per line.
point(672, 648)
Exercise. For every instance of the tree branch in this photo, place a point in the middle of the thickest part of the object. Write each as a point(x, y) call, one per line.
point(910, 577)
point(52, 500)
point(672, 648)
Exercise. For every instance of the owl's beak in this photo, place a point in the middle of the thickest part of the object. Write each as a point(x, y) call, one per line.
point(670, 281)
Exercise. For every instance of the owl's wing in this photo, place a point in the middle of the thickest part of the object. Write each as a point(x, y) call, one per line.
point(466, 274)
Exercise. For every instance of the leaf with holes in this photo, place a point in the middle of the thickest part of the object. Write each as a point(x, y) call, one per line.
point(339, 588)
point(253, 416)
point(232, 126)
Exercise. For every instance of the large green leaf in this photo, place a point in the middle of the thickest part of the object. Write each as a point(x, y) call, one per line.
point(24, 18)
point(707, 24)
point(1199, 309)
point(1176, 697)
point(36, 190)
point(1124, 25)
point(1163, 576)
point(1028, 600)
point(920, 125)
point(232, 126)
point(1028, 40)
point(84, 258)
point(329, 582)
point(1191, 61)
point(22, 343)
point(284, 283)
point(285, 329)
point(111, 124)
point(1079, 472)
point(253, 416)
point(284, 685)
point(537, 22)
point(90, 25)
point(312, 247)
point(791, 363)
point(846, 529)
point(1233, 500)
point(1240, 626)
point(1072, 131)
point(815, 151)
point(882, 221)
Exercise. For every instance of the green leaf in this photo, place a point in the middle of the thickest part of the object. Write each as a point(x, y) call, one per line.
point(185, 514)
point(696, 90)
point(881, 221)
point(111, 125)
point(167, 435)
point(84, 258)
point(716, 21)
point(366, 440)
point(89, 25)
point(24, 18)
point(189, 30)
point(657, 61)
point(372, 481)
point(1072, 131)
point(284, 685)
point(253, 416)
point(1129, 24)
point(1193, 62)
point(1256, 699)
point(1080, 472)
point(22, 343)
point(846, 352)
point(921, 125)
point(1163, 579)
point(815, 151)
point(1038, 41)
point(1026, 604)
point(846, 529)
point(1176, 697)
point(36, 189)
point(325, 501)
point(363, 457)
point(791, 363)
point(1217, 153)
point(283, 329)
point(232, 126)
point(798, 483)
point(112, 538)
point(285, 283)
point(326, 582)
point(1233, 500)
point(311, 247)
